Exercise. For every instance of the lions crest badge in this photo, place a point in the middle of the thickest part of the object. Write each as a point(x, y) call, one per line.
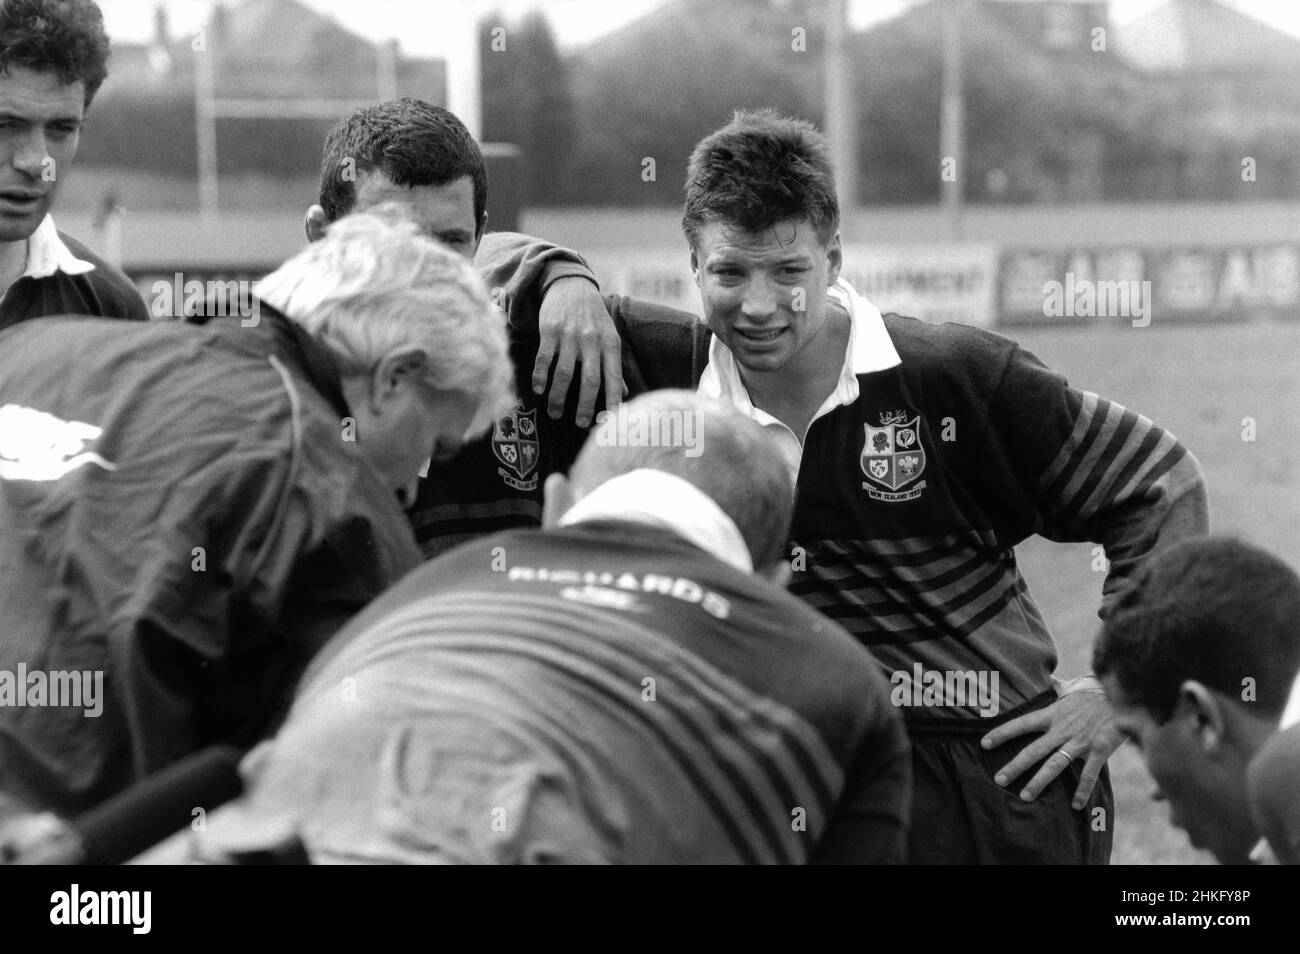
point(515, 444)
point(892, 457)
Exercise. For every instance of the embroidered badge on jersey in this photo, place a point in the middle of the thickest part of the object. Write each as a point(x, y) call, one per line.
point(892, 457)
point(514, 442)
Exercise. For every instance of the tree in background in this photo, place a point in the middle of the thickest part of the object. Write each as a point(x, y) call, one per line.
point(526, 101)
point(653, 89)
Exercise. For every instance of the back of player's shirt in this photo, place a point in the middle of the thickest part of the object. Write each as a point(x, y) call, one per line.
point(598, 693)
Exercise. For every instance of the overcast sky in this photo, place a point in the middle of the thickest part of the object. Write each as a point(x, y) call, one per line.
point(576, 22)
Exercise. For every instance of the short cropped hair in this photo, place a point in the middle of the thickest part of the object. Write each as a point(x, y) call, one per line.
point(1214, 610)
point(734, 461)
point(62, 36)
point(760, 169)
point(373, 284)
point(411, 142)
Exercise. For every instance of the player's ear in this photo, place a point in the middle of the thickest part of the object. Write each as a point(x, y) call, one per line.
point(557, 498)
point(834, 259)
point(315, 223)
point(1200, 704)
point(399, 370)
point(478, 235)
point(695, 266)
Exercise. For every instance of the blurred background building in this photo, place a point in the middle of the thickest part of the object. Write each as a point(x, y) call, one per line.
point(1076, 130)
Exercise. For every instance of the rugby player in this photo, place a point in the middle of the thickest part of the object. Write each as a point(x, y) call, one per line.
point(53, 58)
point(189, 513)
point(631, 685)
point(1198, 671)
point(423, 158)
point(923, 455)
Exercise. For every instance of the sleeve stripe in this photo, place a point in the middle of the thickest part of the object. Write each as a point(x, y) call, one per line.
point(1155, 444)
point(1145, 474)
point(1104, 462)
point(1086, 426)
point(1098, 420)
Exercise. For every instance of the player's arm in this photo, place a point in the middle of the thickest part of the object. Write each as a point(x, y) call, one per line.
point(869, 822)
point(552, 292)
point(1088, 469)
point(662, 346)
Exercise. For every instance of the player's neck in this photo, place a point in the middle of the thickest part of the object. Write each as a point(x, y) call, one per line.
point(13, 262)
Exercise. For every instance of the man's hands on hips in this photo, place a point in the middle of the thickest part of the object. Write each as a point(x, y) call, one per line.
point(1078, 725)
point(574, 327)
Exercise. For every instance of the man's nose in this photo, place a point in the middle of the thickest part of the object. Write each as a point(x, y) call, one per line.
point(30, 153)
point(760, 298)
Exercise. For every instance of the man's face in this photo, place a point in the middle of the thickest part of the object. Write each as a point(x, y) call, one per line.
point(442, 212)
point(400, 426)
point(764, 294)
point(40, 124)
point(1196, 769)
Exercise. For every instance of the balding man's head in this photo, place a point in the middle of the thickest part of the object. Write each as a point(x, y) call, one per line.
point(709, 445)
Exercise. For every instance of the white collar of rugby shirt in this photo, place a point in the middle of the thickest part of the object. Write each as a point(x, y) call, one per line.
point(47, 254)
point(661, 499)
point(869, 349)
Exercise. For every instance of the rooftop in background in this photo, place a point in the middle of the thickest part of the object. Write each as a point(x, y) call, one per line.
point(268, 48)
point(1204, 36)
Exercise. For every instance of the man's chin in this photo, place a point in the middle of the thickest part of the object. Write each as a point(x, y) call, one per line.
point(761, 363)
point(19, 226)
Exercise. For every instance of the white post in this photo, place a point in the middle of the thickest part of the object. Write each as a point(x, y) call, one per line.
point(464, 93)
point(388, 54)
point(205, 126)
point(838, 90)
point(951, 132)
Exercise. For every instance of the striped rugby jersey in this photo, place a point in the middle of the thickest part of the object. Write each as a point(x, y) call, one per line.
point(605, 692)
point(926, 469)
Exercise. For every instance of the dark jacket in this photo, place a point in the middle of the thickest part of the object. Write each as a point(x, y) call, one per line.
point(180, 515)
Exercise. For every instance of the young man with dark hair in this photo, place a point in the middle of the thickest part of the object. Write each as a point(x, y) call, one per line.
point(1198, 656)
point(53, 58)
point(423, 158)
point(924, 454)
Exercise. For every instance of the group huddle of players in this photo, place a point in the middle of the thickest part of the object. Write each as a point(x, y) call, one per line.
point(361, 538)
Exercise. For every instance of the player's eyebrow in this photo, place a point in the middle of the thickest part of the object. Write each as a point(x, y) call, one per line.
point(9, 114)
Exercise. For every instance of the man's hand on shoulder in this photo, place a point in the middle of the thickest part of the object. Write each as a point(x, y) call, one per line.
point(575, 328)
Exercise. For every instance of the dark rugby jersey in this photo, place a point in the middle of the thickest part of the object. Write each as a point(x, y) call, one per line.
point(64, 277)
point(923, 473)
point(615, 692)
point(495, 483)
